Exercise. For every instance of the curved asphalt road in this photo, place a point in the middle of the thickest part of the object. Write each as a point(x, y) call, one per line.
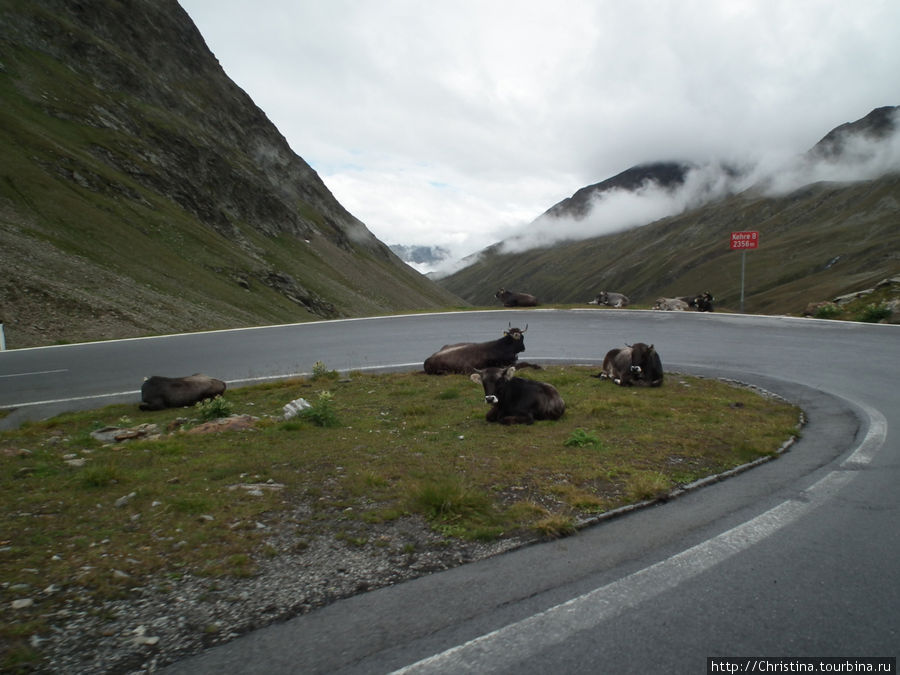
point(797, 557)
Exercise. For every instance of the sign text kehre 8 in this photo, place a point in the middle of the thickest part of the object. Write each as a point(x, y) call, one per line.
point(744, 240)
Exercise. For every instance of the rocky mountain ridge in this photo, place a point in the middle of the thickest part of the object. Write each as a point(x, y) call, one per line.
point(134, 163)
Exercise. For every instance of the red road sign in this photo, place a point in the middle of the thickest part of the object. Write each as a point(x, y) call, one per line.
point(744, 240)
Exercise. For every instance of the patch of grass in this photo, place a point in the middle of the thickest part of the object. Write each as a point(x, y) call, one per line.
point(828, 312)
point(391, 455)
point(322, 412)
point(873, 313)
point(555, 526)
point(581, 438)
point(321, 372)
point(213, 408)
point(98, 476)
point(644, 485)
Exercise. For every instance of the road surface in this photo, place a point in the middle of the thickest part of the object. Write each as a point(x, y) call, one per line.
point(794, 558)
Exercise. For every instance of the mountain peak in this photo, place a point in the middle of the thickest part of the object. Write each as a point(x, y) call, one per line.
point(667, 175)
point(876, 126)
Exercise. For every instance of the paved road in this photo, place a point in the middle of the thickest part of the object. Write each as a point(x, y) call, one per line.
point(794, 558)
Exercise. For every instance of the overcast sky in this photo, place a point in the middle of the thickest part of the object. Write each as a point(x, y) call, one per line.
point(456, 122)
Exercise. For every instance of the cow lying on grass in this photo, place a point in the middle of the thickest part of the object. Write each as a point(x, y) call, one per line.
point(515, 400)
point(159, 392)
point(635, 364)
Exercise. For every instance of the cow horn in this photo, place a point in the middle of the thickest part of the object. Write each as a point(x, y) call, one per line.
point(526, 328)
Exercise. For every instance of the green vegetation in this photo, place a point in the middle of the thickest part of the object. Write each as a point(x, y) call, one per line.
point(213, 408)
point(95, 520)
point(819, 242)
point(871, 307)
point(321, 412)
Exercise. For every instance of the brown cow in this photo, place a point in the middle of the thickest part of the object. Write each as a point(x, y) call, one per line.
point(464, 357)
point(159, 392)
point(510, 299)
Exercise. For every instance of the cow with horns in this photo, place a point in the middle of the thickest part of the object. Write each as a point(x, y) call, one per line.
point(515, 400)
point(510, 299)
point(464, 357)
point(635, 364)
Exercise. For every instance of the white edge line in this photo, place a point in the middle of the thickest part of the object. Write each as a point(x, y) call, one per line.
point(237, 382)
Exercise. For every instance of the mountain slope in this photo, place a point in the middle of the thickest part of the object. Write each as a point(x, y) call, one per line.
point(816, 242)
point(142, 191)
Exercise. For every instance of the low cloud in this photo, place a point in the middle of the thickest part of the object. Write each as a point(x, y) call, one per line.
point(861, 158)
point(616, 210)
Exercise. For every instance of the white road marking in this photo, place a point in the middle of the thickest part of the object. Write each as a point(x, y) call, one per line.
point(37, 372)
point(245, 380)
point(68, 400)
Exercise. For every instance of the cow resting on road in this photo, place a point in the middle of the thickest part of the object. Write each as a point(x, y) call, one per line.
point(610, 299)
point(635, 364)
point(515, 400)
point(510, 299)
point(464, 357)
point(159, 392)
point(671, 304)
point(702, 302)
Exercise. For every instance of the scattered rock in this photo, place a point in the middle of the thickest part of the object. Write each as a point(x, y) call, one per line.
point(22, 603)
point(122, 501)
point(296, 407)
point(119, 434)
point(233, 423)
point(15, 452)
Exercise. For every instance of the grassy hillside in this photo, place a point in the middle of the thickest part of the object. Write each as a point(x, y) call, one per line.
point(142, 192)
point(818, 242)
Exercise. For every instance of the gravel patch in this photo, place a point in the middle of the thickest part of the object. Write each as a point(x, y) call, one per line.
point(170, 619)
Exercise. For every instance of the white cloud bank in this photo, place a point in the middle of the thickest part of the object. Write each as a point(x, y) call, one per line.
point(862, 158)
point(455, 123)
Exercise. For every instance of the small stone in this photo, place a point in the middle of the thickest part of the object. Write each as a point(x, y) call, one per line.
point(122, 501)
point(22, 603)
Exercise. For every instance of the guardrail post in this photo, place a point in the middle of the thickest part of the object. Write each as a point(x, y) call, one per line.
point(2, 339)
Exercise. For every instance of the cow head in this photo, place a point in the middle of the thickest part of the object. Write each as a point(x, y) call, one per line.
point(640, 357)
point(515, 333)
point(494, 381)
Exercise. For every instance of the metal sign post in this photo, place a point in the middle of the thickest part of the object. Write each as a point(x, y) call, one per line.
point(744, 241)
